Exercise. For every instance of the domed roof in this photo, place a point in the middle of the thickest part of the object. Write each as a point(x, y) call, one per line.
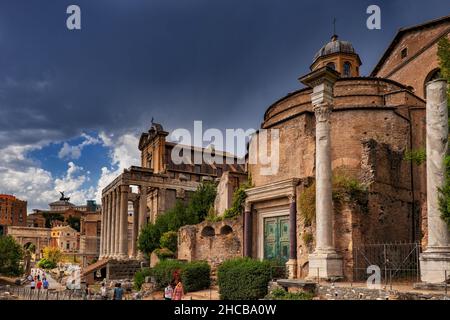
point(335, 46)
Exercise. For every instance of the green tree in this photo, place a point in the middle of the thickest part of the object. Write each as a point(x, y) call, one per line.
point(169, 240)
point(74, 222)
point(11, 253)
point(202, 200)
point(180, 215)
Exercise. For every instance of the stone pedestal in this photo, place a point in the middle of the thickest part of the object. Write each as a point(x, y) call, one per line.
point(291, 266)
point(325, 265)
point(435, 260)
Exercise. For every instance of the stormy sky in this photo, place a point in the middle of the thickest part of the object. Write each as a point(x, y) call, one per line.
point(72, 103)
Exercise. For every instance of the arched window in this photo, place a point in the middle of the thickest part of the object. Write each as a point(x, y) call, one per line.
point(208, 232)
point(347, 69)
point(433, 75)
point(331, 65)
point(226, 230)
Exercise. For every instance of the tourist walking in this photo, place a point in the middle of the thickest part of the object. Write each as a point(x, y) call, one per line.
point(104, 292)
point(32, 284)
point(178, 292)
point(118, 292)
point(168, 292)
point(87, 292)
point(39, 285)
point(45, 283)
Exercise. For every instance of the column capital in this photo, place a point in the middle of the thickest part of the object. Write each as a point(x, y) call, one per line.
point(248, 207)
point(292, 198)
point(124, 188)
point(323, 112)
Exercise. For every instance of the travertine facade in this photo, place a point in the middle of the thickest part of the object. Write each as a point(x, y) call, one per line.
point(160, 183)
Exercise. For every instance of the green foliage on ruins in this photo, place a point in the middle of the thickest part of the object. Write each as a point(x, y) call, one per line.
point(238, 202)
point(11, 254)
point(139, 278)
point(345, 189)
point(444, 193)
point(180, 215)
point(418, 156)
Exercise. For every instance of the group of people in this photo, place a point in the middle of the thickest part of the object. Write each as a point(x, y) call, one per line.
point(174, 291)
point(38, 280)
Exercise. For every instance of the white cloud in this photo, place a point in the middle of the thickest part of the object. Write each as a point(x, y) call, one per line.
point(74, 152)
point(124, 154)
point(25, 179)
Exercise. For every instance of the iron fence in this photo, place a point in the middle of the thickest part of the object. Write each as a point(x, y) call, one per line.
point(398, 262)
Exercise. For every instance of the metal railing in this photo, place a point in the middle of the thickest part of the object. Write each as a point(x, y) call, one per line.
point(398, 262)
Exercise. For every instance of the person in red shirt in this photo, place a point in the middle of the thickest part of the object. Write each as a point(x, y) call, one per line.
point(39, 285)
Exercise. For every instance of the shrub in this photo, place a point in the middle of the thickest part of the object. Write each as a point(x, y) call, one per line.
point(11, 253)
point(196, 276)
point(281, 294)
point(243, 279)
point(169, 240)
point(164, 271)
point(46, 264)
point(53, 255)
point(164, 253)
point(139, 278)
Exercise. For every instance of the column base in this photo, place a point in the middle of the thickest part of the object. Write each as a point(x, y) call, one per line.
point(434, 263)
point(326, 265)
point(122, 256)
point(291, 266)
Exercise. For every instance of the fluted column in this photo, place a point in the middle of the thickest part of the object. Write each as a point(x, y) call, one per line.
point(142, 212)
point(248, 230)
point(324, 262)
point(123, 227)
point(435, 261)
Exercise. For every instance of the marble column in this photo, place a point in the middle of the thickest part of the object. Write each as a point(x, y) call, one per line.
point(102, 230)
point(135, 230)
point(116, 221)
point(109, 229)
point(292, 262)
point(324, 262)
point(142, 212)
point(435, 260)
point(123, 219)
point(248, 230)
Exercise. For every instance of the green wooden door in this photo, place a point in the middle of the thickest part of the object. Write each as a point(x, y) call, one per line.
point(276, 238)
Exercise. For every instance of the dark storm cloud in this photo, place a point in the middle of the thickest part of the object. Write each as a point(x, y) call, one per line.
point(222, 62)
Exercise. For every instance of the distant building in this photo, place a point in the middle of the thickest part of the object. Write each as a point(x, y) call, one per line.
point(13, 212)
point(66, 239)
point(60, 213)
point(90, 237)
